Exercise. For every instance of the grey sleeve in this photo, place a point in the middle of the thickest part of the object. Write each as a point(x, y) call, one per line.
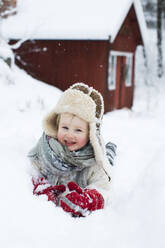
point(33, 154)
point(34, 158)
point(111, 152)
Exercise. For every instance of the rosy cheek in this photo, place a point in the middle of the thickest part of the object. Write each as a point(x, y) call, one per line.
point(59, 136)
point(83, 141)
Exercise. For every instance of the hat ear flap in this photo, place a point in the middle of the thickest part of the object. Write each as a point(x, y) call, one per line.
point(99, 148)
point(51, 123)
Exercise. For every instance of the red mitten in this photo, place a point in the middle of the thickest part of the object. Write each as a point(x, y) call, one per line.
point(81, 202)
point(41, 187)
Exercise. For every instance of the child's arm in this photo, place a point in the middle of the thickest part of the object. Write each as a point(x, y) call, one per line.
point(98, 178)
point(81, 202)
point(101, 181)
point(33, 156)
point(42, 187)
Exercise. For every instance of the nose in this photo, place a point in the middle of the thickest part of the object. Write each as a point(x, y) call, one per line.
point(70, 135)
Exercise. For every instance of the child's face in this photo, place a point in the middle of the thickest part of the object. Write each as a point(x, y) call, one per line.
point(72, 132)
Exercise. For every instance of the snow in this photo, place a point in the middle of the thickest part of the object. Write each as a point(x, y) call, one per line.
point(135, 217)
point(142, 22)
point(92, 19)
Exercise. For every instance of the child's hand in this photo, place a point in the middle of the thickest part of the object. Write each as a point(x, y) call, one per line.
point(41, 187)
point(81, 202)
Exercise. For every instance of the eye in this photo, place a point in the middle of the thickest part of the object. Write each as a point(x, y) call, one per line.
point(65, 127)
point(78, 130)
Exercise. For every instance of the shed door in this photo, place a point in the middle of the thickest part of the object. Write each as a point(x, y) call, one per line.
point(120, 78)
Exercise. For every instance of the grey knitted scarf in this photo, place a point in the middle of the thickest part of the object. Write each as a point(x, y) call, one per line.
point(60, 165)
point(57, 161)
point(55, 155)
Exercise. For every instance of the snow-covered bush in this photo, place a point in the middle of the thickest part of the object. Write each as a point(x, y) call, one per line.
point(6, 62)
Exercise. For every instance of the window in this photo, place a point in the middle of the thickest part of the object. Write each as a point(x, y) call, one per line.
point(125, 71)
point(112, 72)
point(128, 71)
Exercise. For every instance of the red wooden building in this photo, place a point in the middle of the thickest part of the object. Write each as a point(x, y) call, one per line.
point(97, 49)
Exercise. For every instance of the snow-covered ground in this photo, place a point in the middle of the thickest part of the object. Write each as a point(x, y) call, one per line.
point(135, 218)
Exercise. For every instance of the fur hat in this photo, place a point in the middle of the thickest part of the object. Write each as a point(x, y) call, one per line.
point(86, 103)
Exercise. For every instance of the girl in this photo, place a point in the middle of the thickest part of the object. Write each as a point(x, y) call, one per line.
point(72, 163)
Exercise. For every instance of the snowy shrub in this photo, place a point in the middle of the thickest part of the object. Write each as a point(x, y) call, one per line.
point(6, 62)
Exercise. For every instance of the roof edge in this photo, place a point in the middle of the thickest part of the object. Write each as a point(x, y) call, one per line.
point(141, 20)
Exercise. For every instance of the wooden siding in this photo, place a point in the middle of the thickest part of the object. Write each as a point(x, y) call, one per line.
point(64, 62)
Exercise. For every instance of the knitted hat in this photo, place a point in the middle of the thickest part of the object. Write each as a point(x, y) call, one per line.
point(86, 103)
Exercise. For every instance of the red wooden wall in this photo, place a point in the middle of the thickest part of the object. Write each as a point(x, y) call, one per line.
point(64, 62)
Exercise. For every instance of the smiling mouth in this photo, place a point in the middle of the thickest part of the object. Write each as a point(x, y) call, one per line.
point(69, 143)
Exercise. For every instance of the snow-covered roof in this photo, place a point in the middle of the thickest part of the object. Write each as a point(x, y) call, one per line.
point(73, 19)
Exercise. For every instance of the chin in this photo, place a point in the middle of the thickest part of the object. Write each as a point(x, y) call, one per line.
point(72, 149)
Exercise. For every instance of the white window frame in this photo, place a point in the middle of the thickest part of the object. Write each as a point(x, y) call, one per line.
point(112, 75)
point(128, 81)
point(112, 72)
